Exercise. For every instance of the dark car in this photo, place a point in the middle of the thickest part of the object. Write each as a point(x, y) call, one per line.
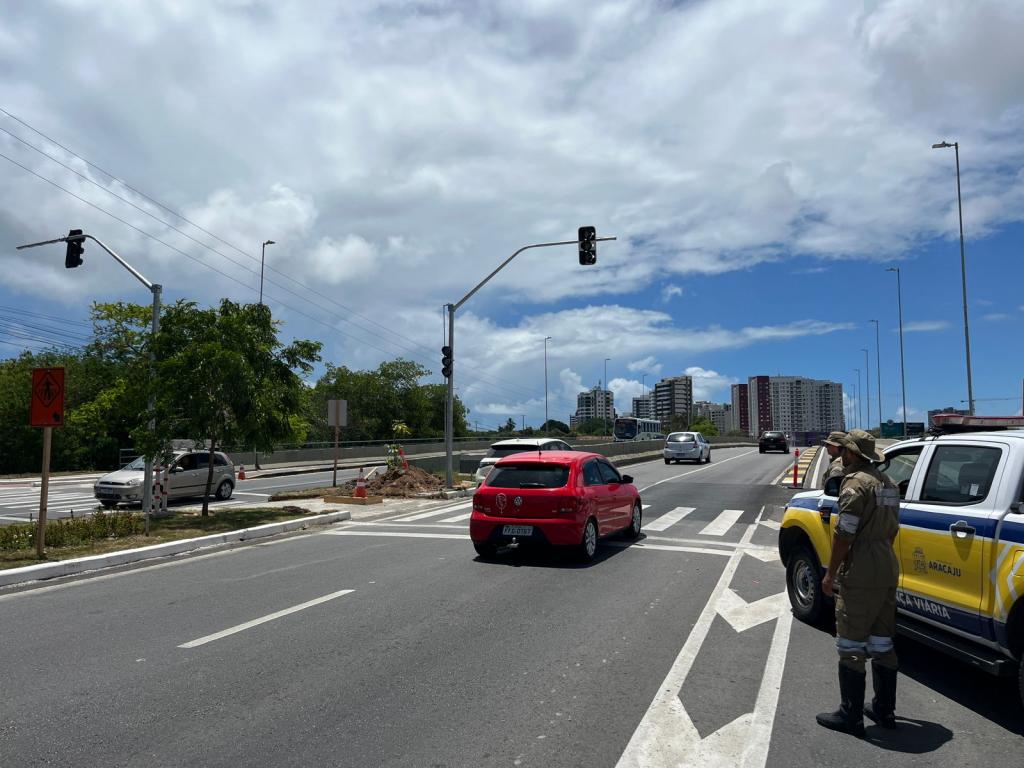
point(561, 498)
point(773, 440)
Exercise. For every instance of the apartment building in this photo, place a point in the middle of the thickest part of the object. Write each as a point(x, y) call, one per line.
point(794, 404)
point(673, 397)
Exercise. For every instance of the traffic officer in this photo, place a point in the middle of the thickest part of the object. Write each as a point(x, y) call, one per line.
point(834, 448)
point(862, 575)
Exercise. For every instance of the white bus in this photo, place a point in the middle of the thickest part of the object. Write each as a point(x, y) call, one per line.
point(631, 428)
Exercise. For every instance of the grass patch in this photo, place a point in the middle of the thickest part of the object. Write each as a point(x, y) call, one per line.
point(181, 525)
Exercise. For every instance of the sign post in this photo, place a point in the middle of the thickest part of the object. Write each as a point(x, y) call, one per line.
point(337, 417)
point(46, 411)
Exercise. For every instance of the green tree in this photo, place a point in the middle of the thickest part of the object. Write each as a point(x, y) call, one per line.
point(223, 377)
point(555, 427)
point(705, 427)
point(592, 427)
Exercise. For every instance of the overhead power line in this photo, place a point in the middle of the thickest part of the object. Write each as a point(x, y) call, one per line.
point(479, 377)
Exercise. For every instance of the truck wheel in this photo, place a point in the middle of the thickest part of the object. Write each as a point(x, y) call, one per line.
point(803, 583)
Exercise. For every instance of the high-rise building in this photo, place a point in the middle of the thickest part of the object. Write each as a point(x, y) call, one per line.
point(596, 403)
point(794, 404)
point(717, 413)
point(643, 407)
point(673, 400)
point(740, 412)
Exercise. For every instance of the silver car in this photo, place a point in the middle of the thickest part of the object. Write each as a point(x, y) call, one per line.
point(186, 476)
point(687, 446)
point(504, 448)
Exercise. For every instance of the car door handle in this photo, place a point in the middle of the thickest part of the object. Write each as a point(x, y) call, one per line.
point(961, 529)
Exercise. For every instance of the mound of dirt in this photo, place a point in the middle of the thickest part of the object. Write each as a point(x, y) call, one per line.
point(401, 483)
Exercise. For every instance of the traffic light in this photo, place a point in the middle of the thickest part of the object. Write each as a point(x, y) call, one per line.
point(73, 257)
point(588, 245)
point(446, 361)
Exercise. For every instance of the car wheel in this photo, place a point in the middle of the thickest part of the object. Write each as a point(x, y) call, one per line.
point(633, 531)
point(803, 583)
point(709, 457)
point(485, 549)
point(1020, 680)
point(760, 450)
point(588, 543)
point(224, 490)
point(668, 461)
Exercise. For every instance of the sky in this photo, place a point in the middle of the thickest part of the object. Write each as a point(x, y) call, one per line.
point(760, 164)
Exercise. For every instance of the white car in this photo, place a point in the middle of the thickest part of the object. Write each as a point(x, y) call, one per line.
point(504, 448)
point(186, 477)
point(687, 446)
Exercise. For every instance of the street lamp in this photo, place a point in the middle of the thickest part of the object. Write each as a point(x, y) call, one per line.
point(867, 384)
point(547, 425)
point(903, 379)
point(604, 400)
point(155, 289)
point(963, 272)
point(878, 373)
point(263, 253)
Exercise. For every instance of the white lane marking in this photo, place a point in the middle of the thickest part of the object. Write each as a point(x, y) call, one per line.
point(409, 534)
point(431, 513)
point(773, 524)
point(14, 519)
point(263, 619)
point(669, 518)
point(742, 615)
point(760, 551)
point(246, 493)
point(701, 469)
point(666, 547)
point(666, 736)
point(721, 524)
point(458, 518)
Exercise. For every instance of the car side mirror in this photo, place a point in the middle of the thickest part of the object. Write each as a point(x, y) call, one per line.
point(1017, 508)
point(832, 486)
point(175, 469)
point(627, 479)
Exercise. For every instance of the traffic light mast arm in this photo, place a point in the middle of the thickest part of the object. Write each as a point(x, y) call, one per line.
point(503, 264)
point(101, 244)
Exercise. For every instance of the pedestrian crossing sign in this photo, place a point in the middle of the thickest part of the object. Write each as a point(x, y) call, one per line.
point(47, 408)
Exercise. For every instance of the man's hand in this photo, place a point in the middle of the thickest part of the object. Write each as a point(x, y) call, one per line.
point(826, 584)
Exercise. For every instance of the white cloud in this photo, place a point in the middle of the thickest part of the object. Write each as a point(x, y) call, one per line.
point(710, 385)
point(924, 326)
point(995, 317)
point(669, 292)
point(648, 365)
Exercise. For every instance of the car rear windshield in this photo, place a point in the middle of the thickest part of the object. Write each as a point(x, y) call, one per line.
point(682, 437)
point(773, 434)
point(529, 476)
point(497, 451)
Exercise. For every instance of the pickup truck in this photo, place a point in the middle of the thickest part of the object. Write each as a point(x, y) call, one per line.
point(960, 546)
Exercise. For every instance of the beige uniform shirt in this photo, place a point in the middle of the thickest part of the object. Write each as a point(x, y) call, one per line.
point(868, 514)
point(835, 468)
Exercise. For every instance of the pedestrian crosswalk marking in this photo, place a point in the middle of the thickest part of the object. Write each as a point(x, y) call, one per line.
point(669, 518)
point(458, 518)
point(726, 519)
point(433, 512)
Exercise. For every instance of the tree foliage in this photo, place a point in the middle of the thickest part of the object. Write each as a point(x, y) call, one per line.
point(705, 427)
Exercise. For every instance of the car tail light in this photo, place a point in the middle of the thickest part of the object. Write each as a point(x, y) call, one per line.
point(479, 506)
point(568, 505)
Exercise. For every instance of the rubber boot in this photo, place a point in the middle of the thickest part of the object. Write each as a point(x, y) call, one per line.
point(849, 718)
point(882, 708)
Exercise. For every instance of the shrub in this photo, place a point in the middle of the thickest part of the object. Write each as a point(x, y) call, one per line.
point(71, 531)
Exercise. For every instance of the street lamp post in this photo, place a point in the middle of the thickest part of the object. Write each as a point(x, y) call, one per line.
point(963, 272)
point(547, 424)
point(263, 253)
point(449, 426)
point(604, 400)
point(867, 385)
point(155, 289)
point(860, 407)
point(878, 373)
point(903, 378)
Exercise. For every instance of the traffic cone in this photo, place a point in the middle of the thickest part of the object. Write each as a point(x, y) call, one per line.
point(241, 472)
point(360, 485)
point(405, 461)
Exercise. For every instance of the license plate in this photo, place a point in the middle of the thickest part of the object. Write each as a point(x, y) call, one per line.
point(517, 530)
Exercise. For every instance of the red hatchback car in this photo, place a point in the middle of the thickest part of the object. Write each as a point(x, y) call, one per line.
point(562, 498)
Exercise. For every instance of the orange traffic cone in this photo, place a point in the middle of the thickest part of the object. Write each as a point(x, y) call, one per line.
point(360, 485)
point(405, 461)
point(241, 472)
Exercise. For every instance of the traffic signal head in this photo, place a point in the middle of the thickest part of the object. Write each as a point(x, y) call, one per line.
point(446, 361)
point(587, 237)
point(73, 257)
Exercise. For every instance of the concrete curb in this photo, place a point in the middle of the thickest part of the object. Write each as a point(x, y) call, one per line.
point(95, 562)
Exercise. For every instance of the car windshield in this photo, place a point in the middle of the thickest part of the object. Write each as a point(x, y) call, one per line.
point(625, 429)
point(681, 437)
point(529, 476)
point(773, 434)
point(497, 451)
point(139, 463)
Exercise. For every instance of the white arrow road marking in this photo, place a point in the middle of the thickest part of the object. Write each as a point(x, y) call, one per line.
point(743, 615)
point(669, 518)
point(667, 737)
point(773, 524)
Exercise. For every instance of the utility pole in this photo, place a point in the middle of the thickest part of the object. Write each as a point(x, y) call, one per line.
point(903, 378)
point(867, 385)
point(878, 372)
point(586, 239)
point(547, 423)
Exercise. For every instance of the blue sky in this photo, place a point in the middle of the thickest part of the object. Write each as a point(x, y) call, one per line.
point(761, 163)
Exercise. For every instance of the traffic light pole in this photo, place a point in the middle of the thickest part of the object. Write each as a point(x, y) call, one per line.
point(449, 427)
point(155, 289)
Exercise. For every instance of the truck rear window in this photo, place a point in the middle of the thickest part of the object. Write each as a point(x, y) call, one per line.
point(528, 476)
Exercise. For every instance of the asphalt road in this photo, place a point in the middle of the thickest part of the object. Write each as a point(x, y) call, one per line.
point(385, 642)
point(19, 499)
